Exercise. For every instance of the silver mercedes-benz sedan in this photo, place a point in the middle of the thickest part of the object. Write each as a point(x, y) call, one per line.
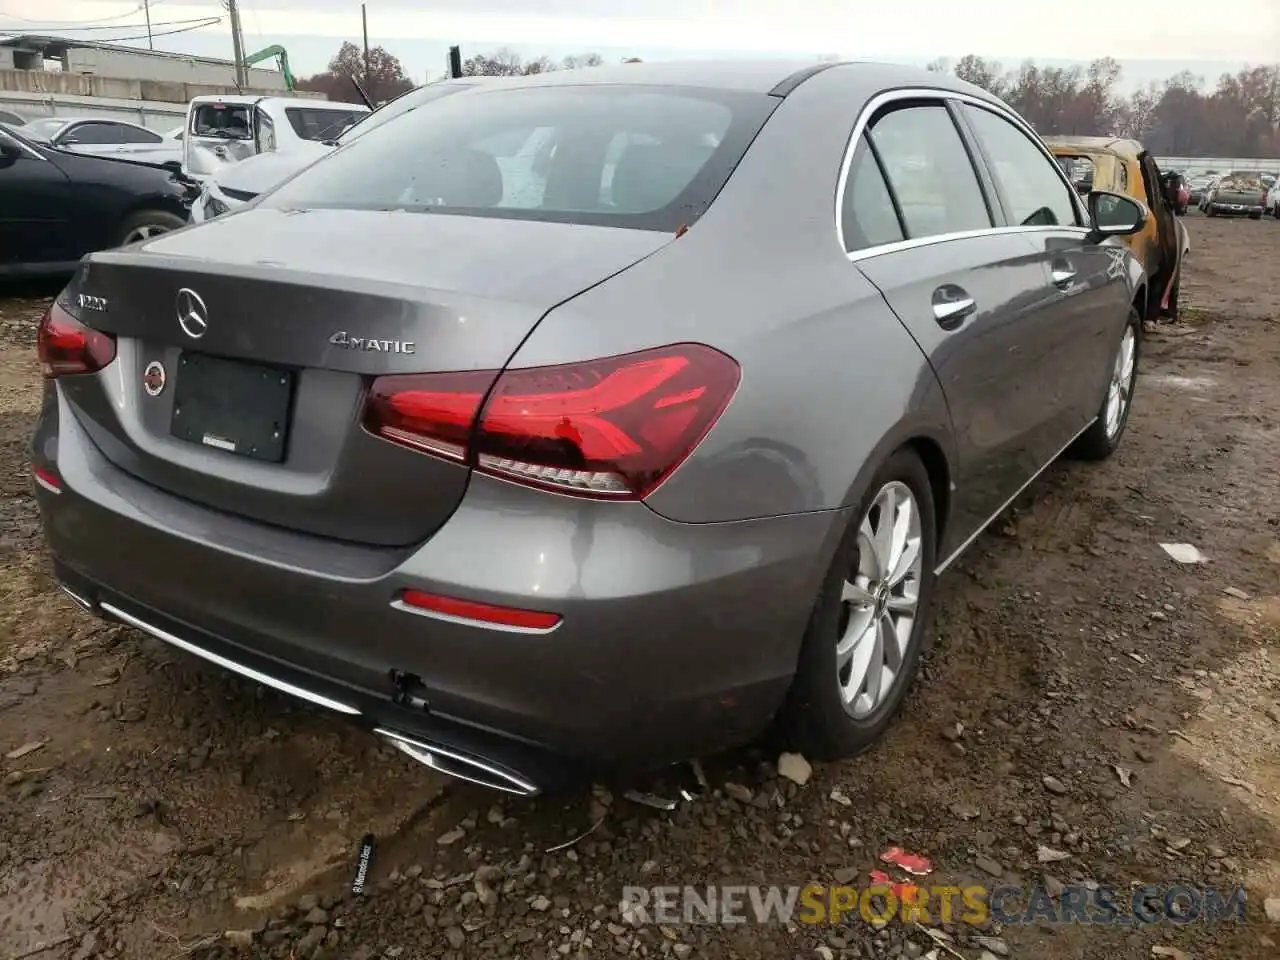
point(594, 419)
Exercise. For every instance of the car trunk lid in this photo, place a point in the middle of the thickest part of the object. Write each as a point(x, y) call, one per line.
point(265, 329)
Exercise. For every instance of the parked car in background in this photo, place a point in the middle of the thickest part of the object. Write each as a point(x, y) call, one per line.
point(1237, 194)
point(105, 138)
point(237, 184)
point(1197, 187)
point(529, 467)
point(56, 206)
point(221, 131)
point(1273, 200)
point(1126, 167)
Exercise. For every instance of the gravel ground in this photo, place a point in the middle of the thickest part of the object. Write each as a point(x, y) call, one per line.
point(1086, 695)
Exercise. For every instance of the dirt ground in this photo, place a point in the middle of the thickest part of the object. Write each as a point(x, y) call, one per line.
point(152, 807)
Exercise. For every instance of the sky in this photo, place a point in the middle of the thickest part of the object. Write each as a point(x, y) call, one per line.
point(1180, 34)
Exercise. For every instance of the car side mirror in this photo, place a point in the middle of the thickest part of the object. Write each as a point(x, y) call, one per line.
point(1114, 215)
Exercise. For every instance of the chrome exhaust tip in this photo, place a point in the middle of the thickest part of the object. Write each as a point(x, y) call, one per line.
point(459, 765)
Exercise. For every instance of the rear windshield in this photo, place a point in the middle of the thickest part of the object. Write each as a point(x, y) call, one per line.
point(229, 121)
point(645, 157)
point(314, 124)
point(402, 104)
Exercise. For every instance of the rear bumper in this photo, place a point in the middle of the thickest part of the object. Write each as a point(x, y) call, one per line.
point(1237, 209)
point(676, 640)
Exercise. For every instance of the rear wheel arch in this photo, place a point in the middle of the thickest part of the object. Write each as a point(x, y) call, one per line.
point(937, 466)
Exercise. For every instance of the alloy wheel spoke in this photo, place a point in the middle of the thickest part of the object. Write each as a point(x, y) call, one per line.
point(857, 594)
point(885, 529)
point(855, 632)
point(907, 561)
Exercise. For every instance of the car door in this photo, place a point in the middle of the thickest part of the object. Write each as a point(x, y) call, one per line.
point(90, 136)
point(1083, 318)
point(918, 224)
point(35, 209)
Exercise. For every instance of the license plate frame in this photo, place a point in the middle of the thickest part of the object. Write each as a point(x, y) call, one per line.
point(240, 407)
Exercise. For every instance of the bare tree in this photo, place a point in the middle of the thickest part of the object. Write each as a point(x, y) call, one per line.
point(385, 79)
point(505, 62)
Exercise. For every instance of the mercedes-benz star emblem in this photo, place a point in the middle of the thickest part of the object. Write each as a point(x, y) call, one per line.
point(193, 315)
point(153, 378)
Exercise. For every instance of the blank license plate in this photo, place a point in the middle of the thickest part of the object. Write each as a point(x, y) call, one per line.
point(231, 405)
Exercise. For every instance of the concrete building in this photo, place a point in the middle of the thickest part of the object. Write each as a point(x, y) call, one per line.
point(116, 62)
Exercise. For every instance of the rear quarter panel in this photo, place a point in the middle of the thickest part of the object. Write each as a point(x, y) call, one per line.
point(831, 381)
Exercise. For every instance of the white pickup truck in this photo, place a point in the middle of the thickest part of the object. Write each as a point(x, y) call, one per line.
point(222, 131)
point(233, 185)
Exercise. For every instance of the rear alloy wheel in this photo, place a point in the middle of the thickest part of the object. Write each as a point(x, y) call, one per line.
point(1102, 438)
point(145, 224)
point(867, 629)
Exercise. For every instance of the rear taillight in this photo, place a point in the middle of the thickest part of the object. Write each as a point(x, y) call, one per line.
point(66, 346)
point(612, 428)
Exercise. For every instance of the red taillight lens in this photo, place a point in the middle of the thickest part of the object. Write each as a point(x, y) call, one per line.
point(66, 346)
point(612, 428)
point(432, 412)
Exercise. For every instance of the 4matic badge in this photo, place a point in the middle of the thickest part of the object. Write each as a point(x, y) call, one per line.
point(348, 342)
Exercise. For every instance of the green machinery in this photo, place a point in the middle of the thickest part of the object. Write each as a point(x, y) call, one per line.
point(282, 58)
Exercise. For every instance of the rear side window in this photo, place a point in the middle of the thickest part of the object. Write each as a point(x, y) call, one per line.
point(644, 157)
point(868, 217)
point(138, 135)
point(230, 121)
point(1029, 180)
point(314, 124)
point(929, 171)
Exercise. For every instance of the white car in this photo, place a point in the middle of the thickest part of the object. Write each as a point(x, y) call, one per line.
point(1273, 200)
point(105, 137)
point(234, 185)
point(223, 131)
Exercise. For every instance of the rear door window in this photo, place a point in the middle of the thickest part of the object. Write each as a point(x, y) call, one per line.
point(868, 215)
point(929, 171)
point(138, 135)
point(645, 157)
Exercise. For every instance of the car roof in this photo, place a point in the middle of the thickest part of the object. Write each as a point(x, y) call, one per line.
point(778, 76)
point(86, 119)
point(1115, 146)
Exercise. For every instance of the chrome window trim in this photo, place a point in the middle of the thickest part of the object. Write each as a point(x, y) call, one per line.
point(879, 250)
point(886, 97)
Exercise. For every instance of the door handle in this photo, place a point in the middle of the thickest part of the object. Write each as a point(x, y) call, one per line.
point(952, 305)
point(1063, 273)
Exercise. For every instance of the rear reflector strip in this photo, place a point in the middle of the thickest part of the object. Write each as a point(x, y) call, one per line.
point(477, 614)
point(47, 480)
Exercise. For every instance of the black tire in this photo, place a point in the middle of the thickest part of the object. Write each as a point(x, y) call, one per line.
point(1255, 216)
point(160, 221)
point(1276, 211)
point(1095, 443)
point(813, 719)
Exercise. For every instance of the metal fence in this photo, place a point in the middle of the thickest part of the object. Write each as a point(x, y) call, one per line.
point(1195, 166)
